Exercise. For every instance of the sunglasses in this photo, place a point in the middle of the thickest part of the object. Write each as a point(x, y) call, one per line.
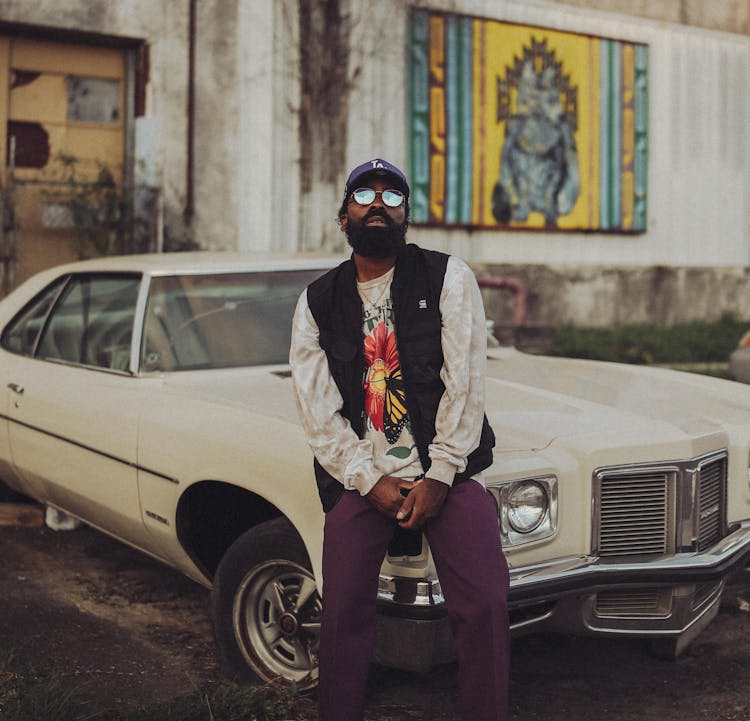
point(390, 197)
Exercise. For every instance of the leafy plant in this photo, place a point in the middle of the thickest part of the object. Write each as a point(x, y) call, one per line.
point(103, 212)
point(690, 342)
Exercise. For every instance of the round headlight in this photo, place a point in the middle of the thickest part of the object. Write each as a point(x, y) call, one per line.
point(527, 506)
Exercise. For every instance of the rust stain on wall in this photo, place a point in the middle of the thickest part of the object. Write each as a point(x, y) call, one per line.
point(324, 57)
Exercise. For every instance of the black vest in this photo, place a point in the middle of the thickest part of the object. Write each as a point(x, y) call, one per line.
point(415, 292)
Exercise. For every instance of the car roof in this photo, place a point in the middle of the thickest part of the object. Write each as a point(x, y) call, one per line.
point(200, 262)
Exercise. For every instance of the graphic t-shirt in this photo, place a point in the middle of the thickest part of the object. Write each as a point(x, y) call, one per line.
point(386, 419)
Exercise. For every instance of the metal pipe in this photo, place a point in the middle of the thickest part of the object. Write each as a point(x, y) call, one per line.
point(514, 284)
point(189, 190)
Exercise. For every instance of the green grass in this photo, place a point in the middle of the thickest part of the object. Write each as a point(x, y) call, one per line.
point(24, 698)
point(231, 703)
point(691, 344)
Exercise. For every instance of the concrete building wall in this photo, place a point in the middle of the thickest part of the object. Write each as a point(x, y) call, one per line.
point(732, 16)
point(698, 180)
point(270, 154)
point(162, 133)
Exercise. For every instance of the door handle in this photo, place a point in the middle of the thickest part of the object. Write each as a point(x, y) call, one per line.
point(16, 388)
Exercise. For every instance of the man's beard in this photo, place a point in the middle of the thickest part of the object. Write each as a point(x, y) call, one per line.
point(376, 241)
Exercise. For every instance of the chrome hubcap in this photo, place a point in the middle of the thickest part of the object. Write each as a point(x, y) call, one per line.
point(277, 621)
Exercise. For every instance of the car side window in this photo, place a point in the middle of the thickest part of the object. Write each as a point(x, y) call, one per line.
point(92, 322)
point(21, 334)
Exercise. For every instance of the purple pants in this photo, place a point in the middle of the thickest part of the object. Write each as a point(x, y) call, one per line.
point(465, 543)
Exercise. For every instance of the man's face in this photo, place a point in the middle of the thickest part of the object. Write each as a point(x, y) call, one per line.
point(375, 230)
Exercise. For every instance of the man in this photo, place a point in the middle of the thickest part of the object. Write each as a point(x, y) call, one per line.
point(388, 358)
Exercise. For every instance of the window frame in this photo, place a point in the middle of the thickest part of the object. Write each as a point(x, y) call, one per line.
point(65, 285)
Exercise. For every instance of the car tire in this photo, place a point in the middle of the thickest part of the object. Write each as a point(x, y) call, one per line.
point(266, 607)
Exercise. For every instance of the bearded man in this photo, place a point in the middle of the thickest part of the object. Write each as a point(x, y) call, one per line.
point(388, 359)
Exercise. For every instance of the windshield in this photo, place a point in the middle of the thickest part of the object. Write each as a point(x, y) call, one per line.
point(221, 320)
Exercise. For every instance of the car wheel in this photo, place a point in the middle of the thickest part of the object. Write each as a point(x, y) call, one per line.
point(266, 607)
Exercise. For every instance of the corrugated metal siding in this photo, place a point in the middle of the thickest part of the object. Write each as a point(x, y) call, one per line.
point(699, 155)
point(705, 200)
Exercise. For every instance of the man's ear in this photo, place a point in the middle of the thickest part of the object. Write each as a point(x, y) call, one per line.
point(343, 222)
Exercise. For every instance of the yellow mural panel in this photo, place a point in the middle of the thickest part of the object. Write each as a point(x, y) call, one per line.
point(529, 127)
point(500, 48)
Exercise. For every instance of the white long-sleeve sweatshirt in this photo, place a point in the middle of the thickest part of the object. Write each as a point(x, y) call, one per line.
point(358, 463)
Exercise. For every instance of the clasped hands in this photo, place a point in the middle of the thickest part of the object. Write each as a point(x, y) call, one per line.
point(411, 504)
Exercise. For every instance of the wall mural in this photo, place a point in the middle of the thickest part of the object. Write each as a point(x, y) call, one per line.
point(524, 127)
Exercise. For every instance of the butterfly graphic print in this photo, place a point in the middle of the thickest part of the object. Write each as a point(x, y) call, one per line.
point(385, 402)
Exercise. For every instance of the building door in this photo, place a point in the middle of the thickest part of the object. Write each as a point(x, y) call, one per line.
point(62, 126)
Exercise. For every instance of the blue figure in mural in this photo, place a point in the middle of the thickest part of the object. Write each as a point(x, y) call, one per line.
point(539, 159)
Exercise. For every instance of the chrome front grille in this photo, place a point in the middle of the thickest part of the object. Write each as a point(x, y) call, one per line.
point(660, 508)
point(648, 602)
point(711, 506)
point(633, 514)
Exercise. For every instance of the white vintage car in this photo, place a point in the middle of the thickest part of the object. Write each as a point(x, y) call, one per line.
point(150, 397)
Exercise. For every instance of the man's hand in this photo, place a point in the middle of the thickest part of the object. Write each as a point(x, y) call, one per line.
point(423, 503)
point(387, 496)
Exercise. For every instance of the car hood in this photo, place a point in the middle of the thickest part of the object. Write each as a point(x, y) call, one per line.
point(531, 400)
point(264, 391)
point(536, 399)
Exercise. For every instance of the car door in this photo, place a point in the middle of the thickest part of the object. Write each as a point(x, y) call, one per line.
point(16, 348)
point(7, 472)
point(74, 409)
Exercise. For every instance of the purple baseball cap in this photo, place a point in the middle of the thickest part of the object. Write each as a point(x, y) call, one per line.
point(377, 166)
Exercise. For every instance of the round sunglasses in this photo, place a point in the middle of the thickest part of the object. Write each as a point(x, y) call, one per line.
point(390, 197)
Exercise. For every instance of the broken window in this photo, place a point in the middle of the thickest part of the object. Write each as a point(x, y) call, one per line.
point(93, 99)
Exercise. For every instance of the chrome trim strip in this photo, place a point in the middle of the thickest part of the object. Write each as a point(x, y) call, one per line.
point(423, 592)
point(138, 325)
point(526, 623)
point(84, 447)
point(157, 517)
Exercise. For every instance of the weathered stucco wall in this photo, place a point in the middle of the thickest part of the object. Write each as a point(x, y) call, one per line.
point(691, 262)
point(604, 296)
point(732, 16)
point(276, 130)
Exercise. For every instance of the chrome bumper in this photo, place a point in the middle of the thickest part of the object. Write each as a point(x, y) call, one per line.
point(568, 575)
point(583, 595)
point(561, 594)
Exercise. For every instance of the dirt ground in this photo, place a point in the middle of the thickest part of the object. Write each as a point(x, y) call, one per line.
point(123, 630)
